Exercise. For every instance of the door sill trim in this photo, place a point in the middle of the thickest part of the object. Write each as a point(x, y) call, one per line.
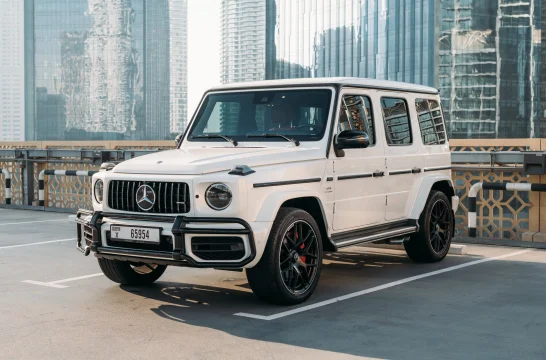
point(383, 235)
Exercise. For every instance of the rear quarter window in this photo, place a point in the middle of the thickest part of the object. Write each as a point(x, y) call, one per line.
point(397, 121)
point(431, 122)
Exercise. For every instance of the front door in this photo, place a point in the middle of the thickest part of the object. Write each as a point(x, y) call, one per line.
point(360, 190)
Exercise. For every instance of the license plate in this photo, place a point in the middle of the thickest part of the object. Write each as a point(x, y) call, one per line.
point(135, 234)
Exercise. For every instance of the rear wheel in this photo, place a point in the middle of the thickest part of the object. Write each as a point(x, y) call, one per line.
point(128, 273)
point(432, 242)
point(289, 269)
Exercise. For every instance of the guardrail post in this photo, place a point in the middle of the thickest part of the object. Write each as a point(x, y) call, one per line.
point(7, 174)
point(475, 189)
point(28, 179)
point(43, 173)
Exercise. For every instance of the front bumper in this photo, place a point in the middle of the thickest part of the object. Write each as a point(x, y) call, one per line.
point(91, 236)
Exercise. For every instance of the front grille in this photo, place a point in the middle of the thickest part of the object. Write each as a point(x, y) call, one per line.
point(165, 244)
point(218, 247)
point(170, 197)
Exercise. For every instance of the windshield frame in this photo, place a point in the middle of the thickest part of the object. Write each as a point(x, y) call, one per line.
point(327, 127)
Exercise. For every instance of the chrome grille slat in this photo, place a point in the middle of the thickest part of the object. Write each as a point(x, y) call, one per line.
point(165, 197)
point(169, 196)
point(184, 199)
point(178, 199)
point(158, 196)
point(122, 192)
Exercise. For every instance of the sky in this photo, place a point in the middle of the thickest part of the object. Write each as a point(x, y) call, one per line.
point(203, 49)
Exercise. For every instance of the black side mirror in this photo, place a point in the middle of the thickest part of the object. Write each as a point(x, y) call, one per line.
point(178, 139)
point(350, 139)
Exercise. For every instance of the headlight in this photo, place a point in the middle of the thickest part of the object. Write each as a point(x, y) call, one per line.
point(218, 196)
point(99, 190)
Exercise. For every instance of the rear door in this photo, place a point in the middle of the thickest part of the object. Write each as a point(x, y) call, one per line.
point(359, 195)
point(403, 153)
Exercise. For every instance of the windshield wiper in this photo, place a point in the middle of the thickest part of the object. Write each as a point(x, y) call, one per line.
point(216, 136)
point(296, 142)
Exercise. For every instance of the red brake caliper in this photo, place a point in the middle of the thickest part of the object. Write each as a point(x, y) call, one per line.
point(303, 256)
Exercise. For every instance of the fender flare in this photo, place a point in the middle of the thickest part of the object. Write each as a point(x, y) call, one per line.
point(424, 191)
point(272, 204)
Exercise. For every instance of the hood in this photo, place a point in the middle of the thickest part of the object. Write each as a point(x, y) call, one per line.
point(205, 160)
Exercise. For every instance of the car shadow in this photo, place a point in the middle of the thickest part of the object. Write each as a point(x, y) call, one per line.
point(343, 272)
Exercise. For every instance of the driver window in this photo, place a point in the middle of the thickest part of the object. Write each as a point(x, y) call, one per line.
point(356, 114)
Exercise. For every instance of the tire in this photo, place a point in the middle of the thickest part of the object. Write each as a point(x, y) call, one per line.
point(289, 269)
point(127, 273)
point(432, 242)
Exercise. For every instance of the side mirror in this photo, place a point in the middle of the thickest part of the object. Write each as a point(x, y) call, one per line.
point(178, 140)
point(350, 139)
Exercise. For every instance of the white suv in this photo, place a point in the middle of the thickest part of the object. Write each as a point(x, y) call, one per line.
point(270, 175)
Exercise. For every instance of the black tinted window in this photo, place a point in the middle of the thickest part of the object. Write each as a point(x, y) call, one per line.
point(431, 122)
point(397, 121)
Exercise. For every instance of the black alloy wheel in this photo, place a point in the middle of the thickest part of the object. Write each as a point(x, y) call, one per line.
point(433, 240)
point(298, 257)
point(289, 269)
point(440, 226)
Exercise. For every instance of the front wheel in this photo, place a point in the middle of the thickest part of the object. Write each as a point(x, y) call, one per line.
point(432, 242)
point(289, 269)
point(128, 273)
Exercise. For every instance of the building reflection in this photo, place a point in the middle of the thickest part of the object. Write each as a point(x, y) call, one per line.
point(484, 56)
point(102, 69)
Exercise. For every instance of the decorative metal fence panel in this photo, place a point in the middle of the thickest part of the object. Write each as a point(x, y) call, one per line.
point(506, 215)
point(16, 183)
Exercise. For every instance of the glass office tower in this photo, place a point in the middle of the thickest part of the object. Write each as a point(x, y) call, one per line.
point(387, 39)
point(101, 70)
point(484, 56)
point(490, 58)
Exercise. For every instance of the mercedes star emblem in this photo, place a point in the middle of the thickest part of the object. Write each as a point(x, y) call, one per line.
point(145, 197)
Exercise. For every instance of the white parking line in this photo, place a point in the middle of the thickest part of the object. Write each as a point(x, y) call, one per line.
point(32, 222)
point(36, 243)
point(377, 288)
point(55, 284)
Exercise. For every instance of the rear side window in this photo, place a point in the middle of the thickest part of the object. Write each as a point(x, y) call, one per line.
point(356, 114)
point(397, 121)
point(431, 122)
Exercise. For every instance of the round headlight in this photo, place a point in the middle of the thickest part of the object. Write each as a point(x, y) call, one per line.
point(218, 196)
point(99, 190)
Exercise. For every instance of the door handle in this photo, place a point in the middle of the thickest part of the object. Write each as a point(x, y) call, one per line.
point(378, 174)
point(415, 170)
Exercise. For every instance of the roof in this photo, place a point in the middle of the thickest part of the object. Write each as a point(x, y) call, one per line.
point(339, 81)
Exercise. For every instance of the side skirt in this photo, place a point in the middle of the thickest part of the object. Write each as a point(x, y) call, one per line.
point(375, 233)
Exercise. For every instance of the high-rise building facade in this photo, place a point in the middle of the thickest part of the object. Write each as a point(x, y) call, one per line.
point(490, 58)
point(101, 69)
point(12, 71)
point(484, 56)
point(391, 39)
point(243, 35)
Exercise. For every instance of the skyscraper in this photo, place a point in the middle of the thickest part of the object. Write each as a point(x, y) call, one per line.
point(105, 69)
point(486, 57)
point(12, 67)
point(243, 40)
point(490, 56)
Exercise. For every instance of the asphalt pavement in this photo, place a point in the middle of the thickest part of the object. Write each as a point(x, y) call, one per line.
point(370, 303)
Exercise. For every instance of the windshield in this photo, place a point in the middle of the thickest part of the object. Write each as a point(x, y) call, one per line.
point(300, 115)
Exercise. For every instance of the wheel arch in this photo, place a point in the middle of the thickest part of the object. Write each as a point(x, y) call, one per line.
point(314, 207)
point(441, 183)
